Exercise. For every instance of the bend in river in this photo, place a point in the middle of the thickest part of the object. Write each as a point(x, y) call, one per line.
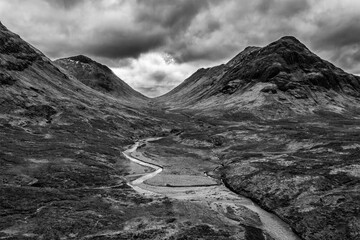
point(217, 197)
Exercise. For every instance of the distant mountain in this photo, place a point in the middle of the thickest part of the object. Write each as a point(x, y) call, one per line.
point(60, 147)
point(31, 86)
point(64, 124)
point(282, 79)
point(35, 90)
point(98, 77)
point(46, 113)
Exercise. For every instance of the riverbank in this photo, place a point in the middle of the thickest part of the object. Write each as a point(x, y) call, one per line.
point(230, 207)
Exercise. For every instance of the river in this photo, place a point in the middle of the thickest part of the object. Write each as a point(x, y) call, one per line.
point(218, 197)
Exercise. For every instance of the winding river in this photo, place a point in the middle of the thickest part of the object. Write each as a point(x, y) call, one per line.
point(218, 197)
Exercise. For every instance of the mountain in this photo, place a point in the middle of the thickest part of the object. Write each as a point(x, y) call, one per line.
point(47, 115)
point(62, 172)
point(284, 124)
point(35, 91)
point(282, 79)
point(60, 147)
point(98, 77)
point(65, 124)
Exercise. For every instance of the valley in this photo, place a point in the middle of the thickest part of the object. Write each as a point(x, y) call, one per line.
point(289, 168)
point(264, 147)
point(230, 206)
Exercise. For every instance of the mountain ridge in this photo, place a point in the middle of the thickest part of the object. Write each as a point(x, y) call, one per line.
point(35, 91)
point(62, 174)
point(99, 77)
point(284, 74)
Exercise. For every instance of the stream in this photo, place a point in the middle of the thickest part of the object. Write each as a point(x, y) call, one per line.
point(218, 197)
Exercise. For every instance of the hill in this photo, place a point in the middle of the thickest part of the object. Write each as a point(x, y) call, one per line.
point(283, 79)
point(98, 77)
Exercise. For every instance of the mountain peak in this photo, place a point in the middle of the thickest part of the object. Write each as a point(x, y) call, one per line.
point(286, 43)
point(97, 76)
point(81, 58)
point(289, 38)
point(86, 60)
point(284, 46)
point(284, 74)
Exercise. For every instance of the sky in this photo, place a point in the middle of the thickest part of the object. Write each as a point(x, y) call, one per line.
point(154, 45)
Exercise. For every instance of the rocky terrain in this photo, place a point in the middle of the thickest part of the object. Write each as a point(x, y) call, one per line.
point(283, 79)
point(307, 172)
point(62, 174)
point(304, 171)
point(277, 124)
point(284, 125)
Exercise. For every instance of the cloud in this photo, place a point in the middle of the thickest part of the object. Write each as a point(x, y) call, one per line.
point(153, 73)
point(291, 8)
point(173, 15)
point(285, 8)
point(158, 76)
point(265, 6)
point(342, 33)
point(123, 44)
point(127, 35)
point(347, 57)
point(66, 4)
point(337, 38)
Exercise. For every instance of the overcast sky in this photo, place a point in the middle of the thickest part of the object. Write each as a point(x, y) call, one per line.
point(154, 45)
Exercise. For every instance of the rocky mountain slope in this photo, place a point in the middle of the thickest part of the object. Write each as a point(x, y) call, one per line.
point(62, 174)
point(284, 124)
point(305, 170)
point(98, 77)
point(282, 79)
point(32, 86)
point(63, 127)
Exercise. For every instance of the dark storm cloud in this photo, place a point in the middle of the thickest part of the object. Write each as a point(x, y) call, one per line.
point(175, 16)
point(285, 8)
point(339, 38)
point(117, 44)
point(190, 30)
point(186, 50)
point(338, 34)
point(67, 4)
point(149, 31)
point(125, 34)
